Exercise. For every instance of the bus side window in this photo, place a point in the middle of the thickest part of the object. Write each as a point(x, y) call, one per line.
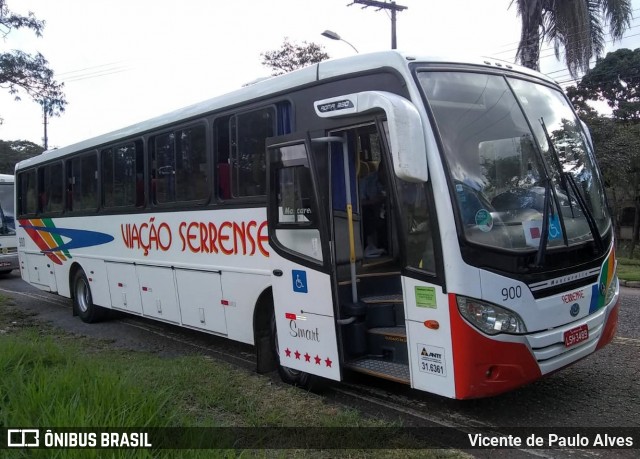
point(179, 165)
point(120, 167)
point(249, 150)
point(221, 155)
point(81, 191)
point(27, 198)
point(418, 235)
point(51, 188)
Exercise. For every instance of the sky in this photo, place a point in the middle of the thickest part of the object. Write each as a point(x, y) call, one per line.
point(125, 61)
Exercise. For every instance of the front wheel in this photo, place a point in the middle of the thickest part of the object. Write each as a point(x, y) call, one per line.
point(82, 300)
point(289, 375)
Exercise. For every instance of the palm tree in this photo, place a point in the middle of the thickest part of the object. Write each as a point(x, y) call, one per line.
point(575, 25)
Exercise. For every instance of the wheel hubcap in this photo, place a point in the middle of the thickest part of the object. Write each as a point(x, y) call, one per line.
point(82, 295)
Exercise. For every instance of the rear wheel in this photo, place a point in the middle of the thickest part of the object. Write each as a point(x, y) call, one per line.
point(82, 300)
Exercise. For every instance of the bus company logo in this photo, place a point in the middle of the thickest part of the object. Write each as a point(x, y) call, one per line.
point(23, 438)
point(49, 238)
point(575, 310)
point(573, 296)
point(225, 238)
point(48, 438)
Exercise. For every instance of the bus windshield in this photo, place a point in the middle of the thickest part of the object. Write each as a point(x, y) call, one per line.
point(516, 152)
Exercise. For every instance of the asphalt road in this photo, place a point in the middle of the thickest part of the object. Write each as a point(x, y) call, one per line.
point(601, 391)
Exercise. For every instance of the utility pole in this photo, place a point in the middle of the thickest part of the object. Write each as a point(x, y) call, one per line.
point(45, 116)
point(385, 6)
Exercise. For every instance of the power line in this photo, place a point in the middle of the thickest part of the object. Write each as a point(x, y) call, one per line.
point(570, 34)
point(564, 75)
point(565, 71)
point(90, 68)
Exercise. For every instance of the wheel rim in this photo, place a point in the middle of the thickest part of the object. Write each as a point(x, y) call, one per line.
point(83, 295)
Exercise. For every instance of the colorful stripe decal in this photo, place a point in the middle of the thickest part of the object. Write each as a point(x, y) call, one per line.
point(599, 291)
point(30, 227)
point(51, 240)
point(56, 237)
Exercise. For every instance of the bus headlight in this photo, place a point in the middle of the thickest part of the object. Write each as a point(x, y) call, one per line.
point(489, 318)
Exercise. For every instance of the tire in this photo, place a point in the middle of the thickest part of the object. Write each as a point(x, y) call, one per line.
point(288, 375)
point(83, 301)
point(4, 272)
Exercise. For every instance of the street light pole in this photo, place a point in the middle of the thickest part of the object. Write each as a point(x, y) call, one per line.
point(334, 36)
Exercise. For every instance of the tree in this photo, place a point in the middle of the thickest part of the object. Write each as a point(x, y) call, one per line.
point(24, 72)
point(615, 79)
point(293, 56)
point(575, 25)
point(14, 151)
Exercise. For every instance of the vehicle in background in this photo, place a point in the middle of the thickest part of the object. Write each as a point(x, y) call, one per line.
point(8, 240)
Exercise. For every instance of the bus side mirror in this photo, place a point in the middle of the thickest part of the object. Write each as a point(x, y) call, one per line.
point(406, 133)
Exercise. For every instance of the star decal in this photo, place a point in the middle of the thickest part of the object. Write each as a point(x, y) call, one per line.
point(307, 357)
point(317, 359)
point(328, 362)
point(287, 351)
point(297, 354)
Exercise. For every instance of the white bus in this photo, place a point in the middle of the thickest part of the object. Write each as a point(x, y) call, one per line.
point(433, 222)
point(8, 240)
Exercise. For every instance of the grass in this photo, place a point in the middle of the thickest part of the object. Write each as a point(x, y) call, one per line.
point(628, 268)
point(54, 379)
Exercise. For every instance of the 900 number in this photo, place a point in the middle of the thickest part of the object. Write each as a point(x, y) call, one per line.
point(511, 293)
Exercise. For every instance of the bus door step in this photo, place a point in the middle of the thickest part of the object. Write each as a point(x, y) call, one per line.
point(398, 372)
point(390, 343)
point(393, 298)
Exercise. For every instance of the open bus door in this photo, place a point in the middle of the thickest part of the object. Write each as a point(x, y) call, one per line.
point(304, 318)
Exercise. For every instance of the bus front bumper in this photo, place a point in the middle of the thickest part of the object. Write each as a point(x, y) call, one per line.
point(486, 366)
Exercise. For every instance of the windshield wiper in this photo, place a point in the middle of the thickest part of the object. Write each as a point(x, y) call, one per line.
point(563, 178)
point(591, 221)
point(544, 237)
point(568, 177)
point(546, 206)
point(563, 181)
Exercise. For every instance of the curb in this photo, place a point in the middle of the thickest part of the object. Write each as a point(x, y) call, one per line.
point(630, 284)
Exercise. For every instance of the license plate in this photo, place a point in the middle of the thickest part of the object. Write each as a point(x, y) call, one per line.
point(4, 263)
point(576, 335)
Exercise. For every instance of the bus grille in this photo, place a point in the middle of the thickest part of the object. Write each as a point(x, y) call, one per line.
point(550, 351)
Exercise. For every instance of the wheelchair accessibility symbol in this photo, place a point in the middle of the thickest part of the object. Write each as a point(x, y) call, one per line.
point(299, 281)
point(555, 230)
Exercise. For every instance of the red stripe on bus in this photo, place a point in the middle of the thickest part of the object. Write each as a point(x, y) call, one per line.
point(484, 366)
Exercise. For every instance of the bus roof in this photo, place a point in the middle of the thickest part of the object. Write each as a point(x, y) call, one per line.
point(264, 87)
